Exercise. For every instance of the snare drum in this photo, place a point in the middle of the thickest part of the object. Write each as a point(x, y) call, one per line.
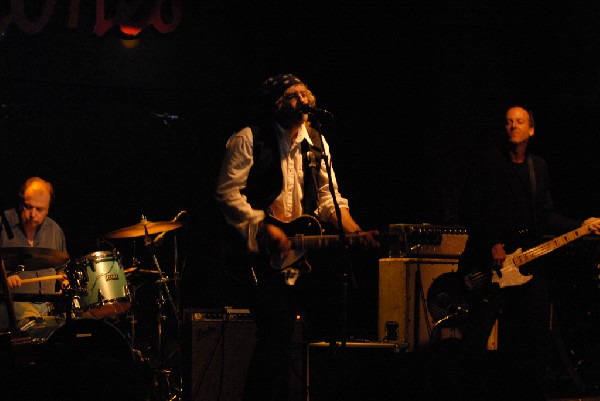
point(107, 293)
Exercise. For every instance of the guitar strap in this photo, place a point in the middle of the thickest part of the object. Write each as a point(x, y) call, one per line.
point(533, 188)
point(311, 165)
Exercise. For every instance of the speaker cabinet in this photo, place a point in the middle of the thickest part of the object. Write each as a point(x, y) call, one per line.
point(403, 317)
point(357, 371)
point(393, 320)
point(403, 286)
point(219, 346)
point(218, 355)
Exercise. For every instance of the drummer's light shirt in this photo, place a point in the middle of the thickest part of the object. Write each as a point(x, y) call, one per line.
point(49, 235)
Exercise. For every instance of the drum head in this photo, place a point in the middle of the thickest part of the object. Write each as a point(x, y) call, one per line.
point(98, 255)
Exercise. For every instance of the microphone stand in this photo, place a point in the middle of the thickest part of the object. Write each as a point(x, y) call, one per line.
point(178, 309)
point(7, 295)
point(162, 284)
point(347, 271)
point(12, 320)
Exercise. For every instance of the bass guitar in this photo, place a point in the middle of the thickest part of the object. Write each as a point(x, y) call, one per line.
point(445, 296)
point(509, 274)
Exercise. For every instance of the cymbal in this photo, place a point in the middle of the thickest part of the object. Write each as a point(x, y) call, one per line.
point(32, 258)
point(139, 230)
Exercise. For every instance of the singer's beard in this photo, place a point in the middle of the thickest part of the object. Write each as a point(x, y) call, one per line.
point(289, 117)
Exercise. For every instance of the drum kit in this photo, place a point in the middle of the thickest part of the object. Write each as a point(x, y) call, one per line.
point(96, 295)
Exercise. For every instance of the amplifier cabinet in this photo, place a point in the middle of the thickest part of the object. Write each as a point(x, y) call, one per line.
point(360, 371)
point(403, 302)
point(393, 319)
point(217, 355)
point(426, 240)
point(217, 347)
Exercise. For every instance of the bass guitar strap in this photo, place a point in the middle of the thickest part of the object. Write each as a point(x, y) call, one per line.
point(533, 188)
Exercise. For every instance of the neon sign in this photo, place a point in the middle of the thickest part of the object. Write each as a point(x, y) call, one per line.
point(126, 14)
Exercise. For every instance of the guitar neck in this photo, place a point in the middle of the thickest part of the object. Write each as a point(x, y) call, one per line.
point(305, 232)
point(551, 245)
point(302, 242)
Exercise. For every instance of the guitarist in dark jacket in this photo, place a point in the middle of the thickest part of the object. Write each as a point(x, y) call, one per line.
point(506, 205)
point(275, 172)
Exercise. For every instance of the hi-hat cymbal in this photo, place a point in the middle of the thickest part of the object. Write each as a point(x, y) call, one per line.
point(143, 227)
point(32, 258)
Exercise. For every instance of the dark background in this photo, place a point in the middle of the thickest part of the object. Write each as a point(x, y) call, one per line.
point(414, 87)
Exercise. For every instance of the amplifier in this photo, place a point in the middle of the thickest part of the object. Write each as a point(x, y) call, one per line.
point(358, 372)
point(218, 346)
point(217, 355)
point(404, 317)
point(426, 240)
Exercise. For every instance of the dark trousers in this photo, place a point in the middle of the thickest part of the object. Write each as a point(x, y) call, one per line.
point(273, 309)
point(523, 314)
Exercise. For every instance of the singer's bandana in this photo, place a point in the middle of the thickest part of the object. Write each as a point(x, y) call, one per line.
point(275, 86)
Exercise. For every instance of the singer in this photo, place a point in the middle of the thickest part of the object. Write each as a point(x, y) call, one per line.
point(274, 172)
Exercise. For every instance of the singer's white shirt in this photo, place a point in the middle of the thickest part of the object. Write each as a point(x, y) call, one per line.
point(234, 175)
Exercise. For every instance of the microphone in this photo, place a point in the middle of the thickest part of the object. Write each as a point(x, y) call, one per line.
point(306, 109)
point(160, 238)
point(166, 117)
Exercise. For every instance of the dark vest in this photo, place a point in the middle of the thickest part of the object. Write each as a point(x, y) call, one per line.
point(265, 179)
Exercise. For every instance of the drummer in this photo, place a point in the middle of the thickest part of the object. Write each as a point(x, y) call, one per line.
point(29, 226)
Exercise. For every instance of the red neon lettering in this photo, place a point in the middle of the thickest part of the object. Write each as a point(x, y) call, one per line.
point(17, 14)
point(125, 11)
point(158, 22)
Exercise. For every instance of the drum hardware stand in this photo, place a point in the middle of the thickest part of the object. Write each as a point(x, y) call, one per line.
point(132, 317)
point(6, 297)
point(72, 295)
point(6, 293)
point(170, 392)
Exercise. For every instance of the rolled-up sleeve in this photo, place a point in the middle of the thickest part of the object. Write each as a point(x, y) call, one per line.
point(232, 180)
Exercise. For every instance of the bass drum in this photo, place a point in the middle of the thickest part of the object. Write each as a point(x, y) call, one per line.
point(88, 359)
